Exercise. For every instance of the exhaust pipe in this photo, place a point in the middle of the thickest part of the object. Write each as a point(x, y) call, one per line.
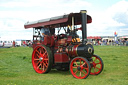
point(84, 27)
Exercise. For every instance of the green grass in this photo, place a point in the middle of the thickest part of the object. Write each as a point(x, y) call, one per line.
point(16, 69)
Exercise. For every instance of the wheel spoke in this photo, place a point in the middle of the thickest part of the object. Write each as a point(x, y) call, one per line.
point(46, 59)
point(80, 74)
point(94, 70)
point(97, 68)
point(37, 52)
point(80, 61)
point(39, 66)
point(76, 71)
point(44, 64)
point(83, 64)
point(36, 59)
point(37, 55)
point(37, 63)
point(76, 63)
point(83, 72)
point(74, 67)
point(98, 63)
point(95, 59)
point(44, 53)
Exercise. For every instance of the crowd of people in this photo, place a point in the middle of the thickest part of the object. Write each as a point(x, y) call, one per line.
point(29, 43)
point(111, 42)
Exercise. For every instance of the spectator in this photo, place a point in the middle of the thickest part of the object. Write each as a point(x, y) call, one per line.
point(117, 42)
point(13, 43)
point(94, 42)
point(29, 43)
point(123, 41)
point(127, 42)
point(24, 43)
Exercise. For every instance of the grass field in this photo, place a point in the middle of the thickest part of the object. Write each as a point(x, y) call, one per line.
point(16, 69)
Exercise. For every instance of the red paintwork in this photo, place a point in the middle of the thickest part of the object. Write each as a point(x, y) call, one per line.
point(69, 39)
point(97, 65)
point(52, 40)
point(73, 50)
point(61, 58)
point(40, 66)
point(36, 43)
point(63, 42)
point(47, 40)
point(83, 64)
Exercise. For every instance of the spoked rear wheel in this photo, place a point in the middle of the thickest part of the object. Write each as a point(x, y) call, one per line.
point(80, 68)
point(42, 59)
point(96, 65)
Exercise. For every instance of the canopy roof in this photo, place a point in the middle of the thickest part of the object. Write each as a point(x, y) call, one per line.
point(59, 21)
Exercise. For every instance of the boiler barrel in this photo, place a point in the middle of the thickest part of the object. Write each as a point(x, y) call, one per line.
point(85, 50)
point(80, 50)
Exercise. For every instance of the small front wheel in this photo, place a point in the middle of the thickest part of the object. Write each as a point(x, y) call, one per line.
point(96, 65)
point(80, 68)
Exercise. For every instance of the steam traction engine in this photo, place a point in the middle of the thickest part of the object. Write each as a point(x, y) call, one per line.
point(64, 51)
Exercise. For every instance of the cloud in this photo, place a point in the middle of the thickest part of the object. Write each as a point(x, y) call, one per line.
point(14, 14)
point(119, 12)
point(14, 29)
point(110, 20)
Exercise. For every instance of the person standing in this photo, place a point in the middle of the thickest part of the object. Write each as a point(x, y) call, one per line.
point(123, 41)
point(127, 42)
point(24, 43)
point(13, 43)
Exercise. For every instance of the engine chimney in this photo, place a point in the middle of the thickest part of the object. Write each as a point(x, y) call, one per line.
point(84, 27)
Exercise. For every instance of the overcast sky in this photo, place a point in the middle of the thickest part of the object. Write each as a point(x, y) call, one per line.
point(108, 16)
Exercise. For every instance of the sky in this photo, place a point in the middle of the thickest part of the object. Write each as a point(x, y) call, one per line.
point(108, 16)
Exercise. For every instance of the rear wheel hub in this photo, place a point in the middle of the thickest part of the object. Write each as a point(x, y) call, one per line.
point(40, 59)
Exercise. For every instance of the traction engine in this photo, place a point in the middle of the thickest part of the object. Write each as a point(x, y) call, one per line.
point(64, 51)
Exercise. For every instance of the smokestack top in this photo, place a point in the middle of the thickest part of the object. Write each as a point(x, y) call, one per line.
point(83, 11)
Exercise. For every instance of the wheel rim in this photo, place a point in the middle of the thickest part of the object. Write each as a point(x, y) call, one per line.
point(96, 65)
point(80, 68)
point(40, 59)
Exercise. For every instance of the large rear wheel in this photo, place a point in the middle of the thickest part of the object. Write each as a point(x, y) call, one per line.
point(80, 68)
point(42, 59)
point(96, 65)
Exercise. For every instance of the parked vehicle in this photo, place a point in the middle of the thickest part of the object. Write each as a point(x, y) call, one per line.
point(1, 43)
point(18, 43)
point(6, 43)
